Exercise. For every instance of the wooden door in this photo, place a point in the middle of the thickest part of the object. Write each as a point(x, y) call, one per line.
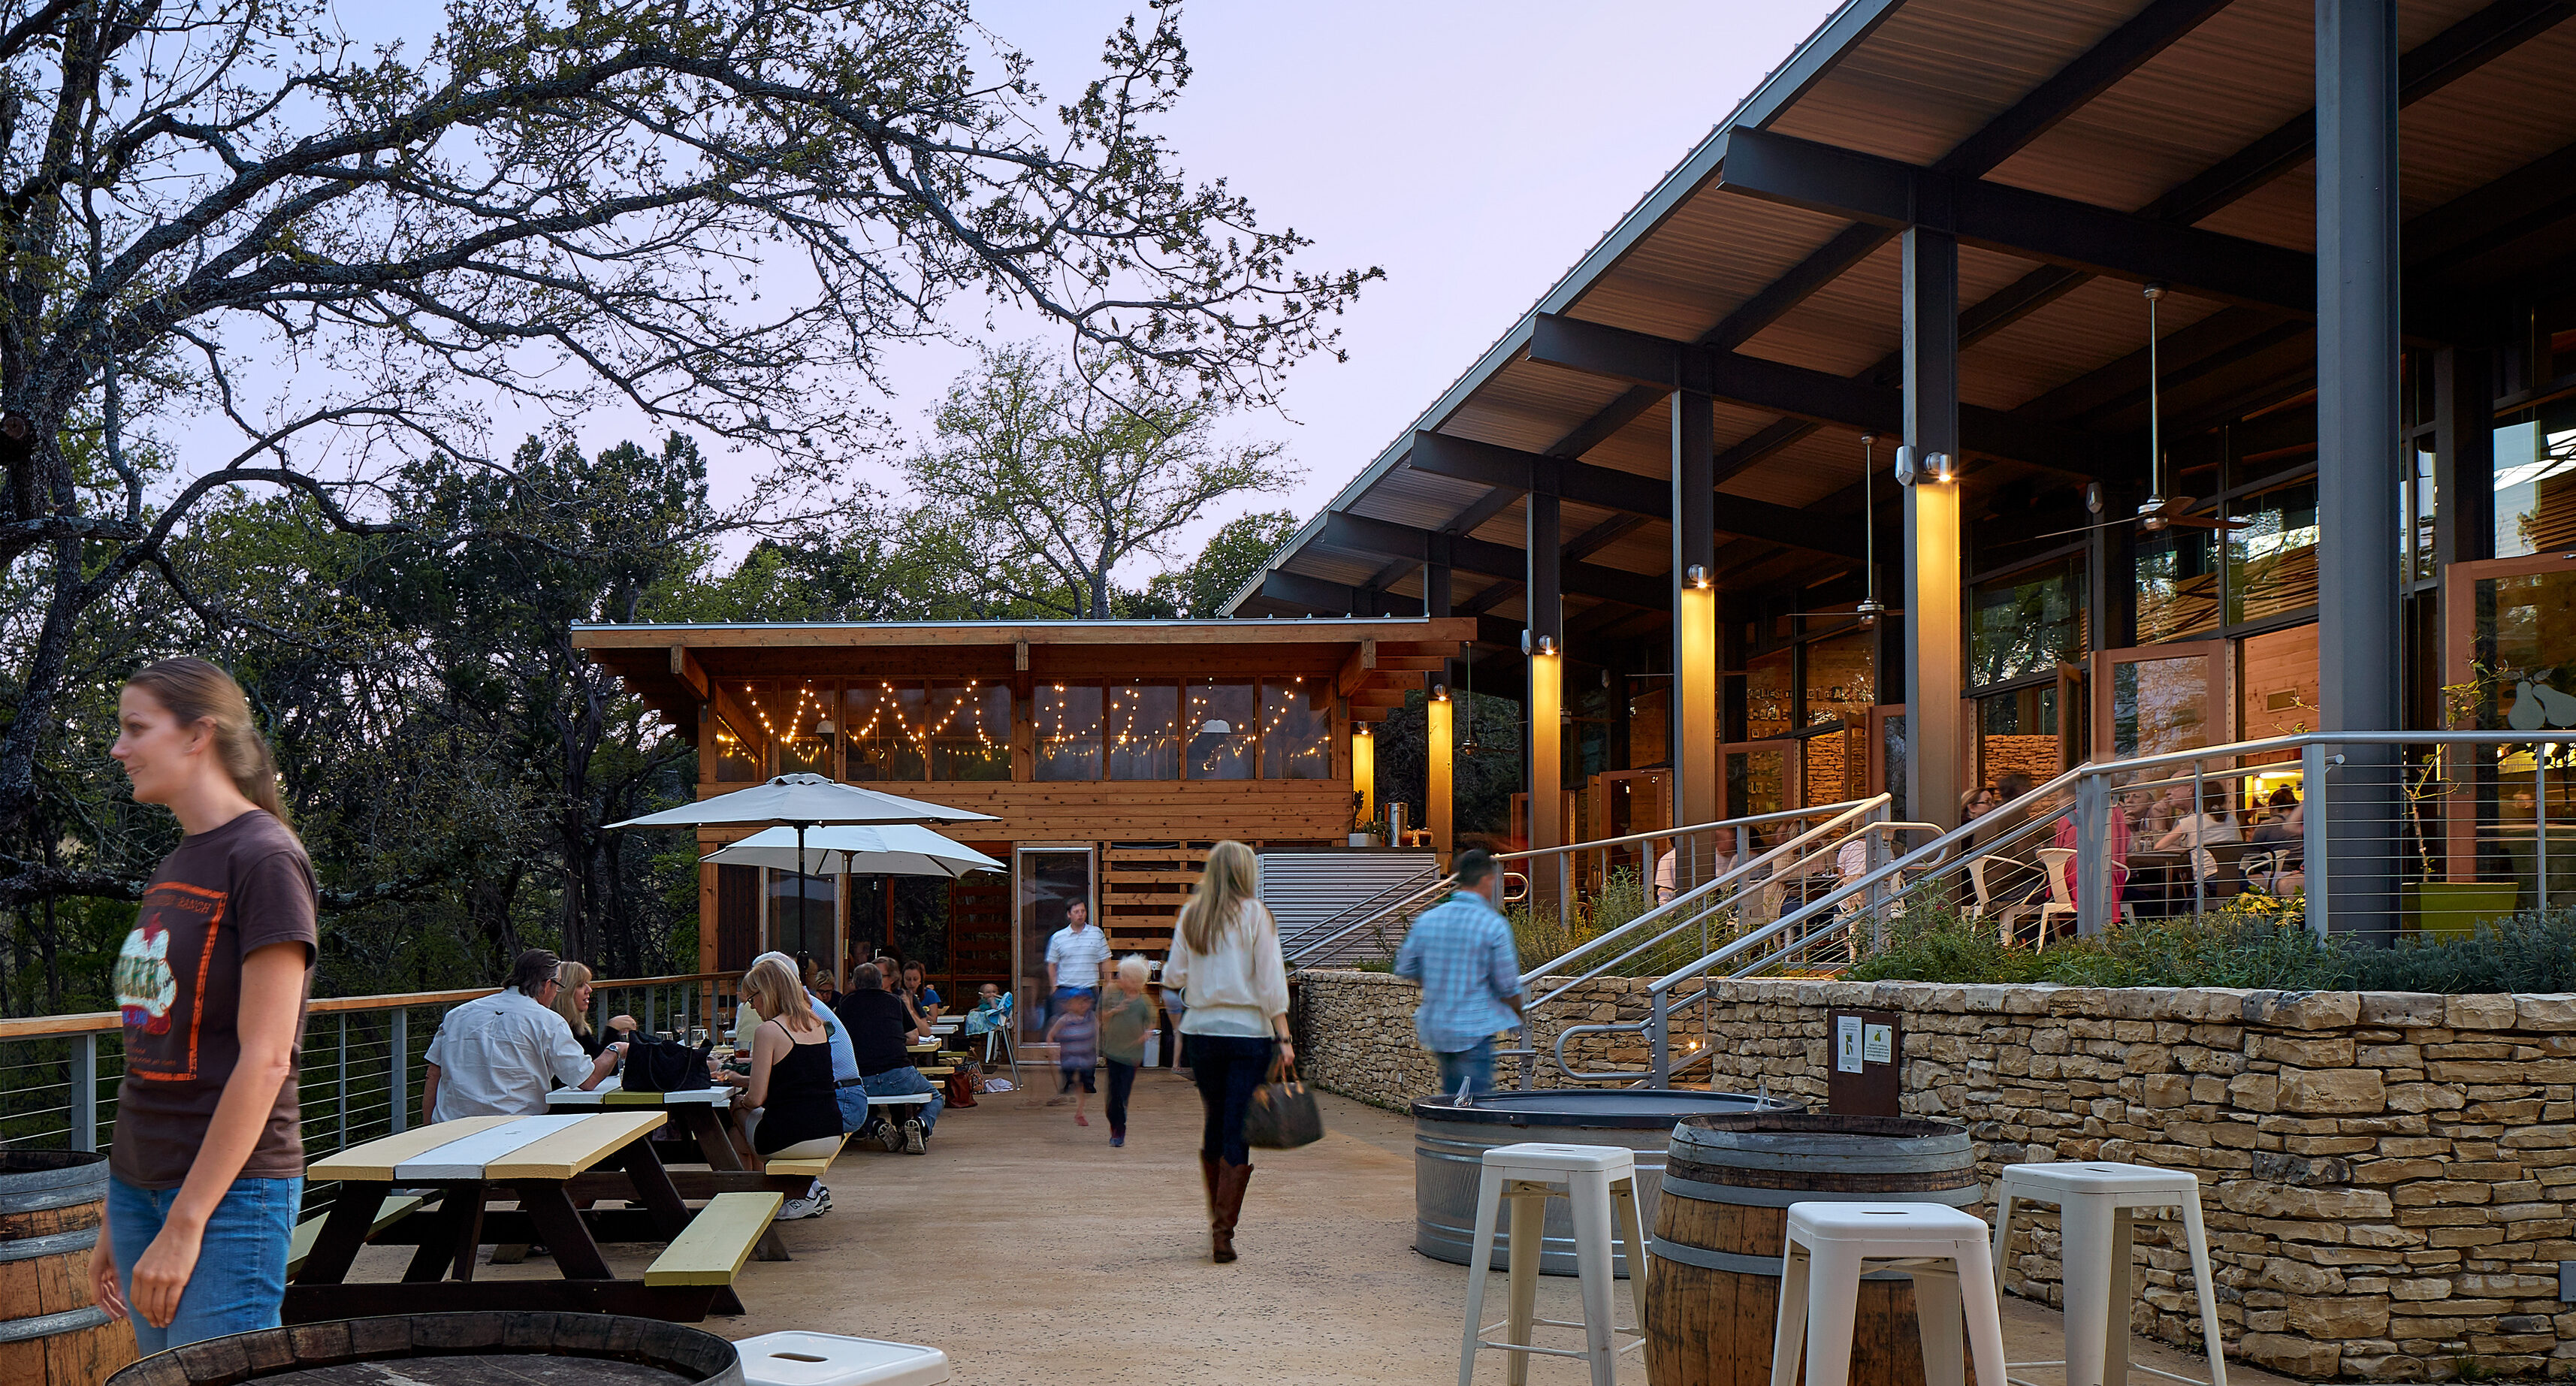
point(2154, 699)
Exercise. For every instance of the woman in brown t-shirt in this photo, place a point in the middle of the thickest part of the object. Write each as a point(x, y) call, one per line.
point(207, 1168)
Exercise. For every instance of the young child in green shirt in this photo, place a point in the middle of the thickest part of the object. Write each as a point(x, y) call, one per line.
point(1126, 1014)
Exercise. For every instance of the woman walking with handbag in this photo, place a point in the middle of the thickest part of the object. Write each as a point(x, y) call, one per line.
point(1225, 954)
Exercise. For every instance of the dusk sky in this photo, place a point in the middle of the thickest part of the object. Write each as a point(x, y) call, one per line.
point(1473, 150)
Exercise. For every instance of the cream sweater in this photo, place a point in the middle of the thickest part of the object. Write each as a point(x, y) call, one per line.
point(1237, 987)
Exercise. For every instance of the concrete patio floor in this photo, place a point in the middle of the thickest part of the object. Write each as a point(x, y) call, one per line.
point(1030, 1251)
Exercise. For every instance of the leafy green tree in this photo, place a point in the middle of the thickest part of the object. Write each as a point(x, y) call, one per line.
point(1232, 556)
point(1063, 474)
point(227, 216)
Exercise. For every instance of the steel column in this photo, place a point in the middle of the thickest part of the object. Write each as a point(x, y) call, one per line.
point(85, 1095)
point(400, 1053)
point(1439, 796)
point(1546, 644)
point(1697, 790)
point(2360, 462)
point(1936, 721)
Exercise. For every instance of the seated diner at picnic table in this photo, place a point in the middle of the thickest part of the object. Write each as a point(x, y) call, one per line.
point(789, 1106)
point(882, 1028)
point(499, 1055)
point(572, 1002)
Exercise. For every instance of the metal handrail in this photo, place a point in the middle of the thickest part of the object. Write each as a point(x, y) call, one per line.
point(1310, 949)
point(1407, 884)
point(1710, 891)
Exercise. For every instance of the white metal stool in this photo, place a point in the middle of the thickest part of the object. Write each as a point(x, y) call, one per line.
point(2094, 1201)
point(1830, 1245)
point(1600, 1181)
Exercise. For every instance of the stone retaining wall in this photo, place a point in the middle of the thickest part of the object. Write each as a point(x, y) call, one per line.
point(2388, 1177)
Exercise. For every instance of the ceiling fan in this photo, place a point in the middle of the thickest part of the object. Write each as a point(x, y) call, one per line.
point(2158, 511)
point(1867, 611)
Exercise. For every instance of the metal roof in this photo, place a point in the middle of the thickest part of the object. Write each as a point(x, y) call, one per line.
point(2191, 113)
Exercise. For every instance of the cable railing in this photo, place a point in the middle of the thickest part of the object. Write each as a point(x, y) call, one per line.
point(2372, 834)
point(363, 1061)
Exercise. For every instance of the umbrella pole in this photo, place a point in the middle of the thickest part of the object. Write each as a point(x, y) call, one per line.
point(802, 923)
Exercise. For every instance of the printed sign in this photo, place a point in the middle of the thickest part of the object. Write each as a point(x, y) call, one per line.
point(1878, 1044)
point(1847, 1044)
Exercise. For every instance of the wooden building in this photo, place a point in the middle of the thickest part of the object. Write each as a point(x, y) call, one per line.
point(1111, 753)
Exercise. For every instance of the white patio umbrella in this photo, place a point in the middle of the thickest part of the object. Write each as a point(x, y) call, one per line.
point(895, 849)
point(801, 802)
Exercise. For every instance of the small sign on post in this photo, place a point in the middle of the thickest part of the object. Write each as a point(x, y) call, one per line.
point(1866, 1048)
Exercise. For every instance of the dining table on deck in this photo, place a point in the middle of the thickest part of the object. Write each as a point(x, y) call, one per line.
point(531, 1160)
point(701, 1112)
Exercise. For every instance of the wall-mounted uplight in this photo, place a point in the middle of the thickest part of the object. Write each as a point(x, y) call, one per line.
point(1359, 729)
point(1439, 692)
point(1543, 645)
point(1696, 575)
point(1912, 467)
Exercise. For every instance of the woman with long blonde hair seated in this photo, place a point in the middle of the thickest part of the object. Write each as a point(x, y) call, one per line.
point(1225, 959)
point(791, 1101)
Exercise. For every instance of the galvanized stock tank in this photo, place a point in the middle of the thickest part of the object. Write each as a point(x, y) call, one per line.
point(1449, 1144)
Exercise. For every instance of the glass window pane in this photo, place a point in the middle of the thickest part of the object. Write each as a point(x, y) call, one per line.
point(1839, 683)
point(1649, 735)
point(1218, 717)
point(808, 738)
point(1766, 696)
point(2278, 683)
point(2426, 502)
point(2535, 484)
point(2177, 585)
point(2272, 562)
point(2159, 705)
point(1145, 732)
point(735, 764)
point(882, 724)
point(1068, 725)
point(2017, 734)
point(2523, 634)
point(970, 730)
point(2024, 623)
point(1297, 730)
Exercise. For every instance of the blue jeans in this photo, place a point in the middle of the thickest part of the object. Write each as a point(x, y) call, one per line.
point(240, 1280)
point(894, 1082)
point(1473, 1067)
point(1228, 1070)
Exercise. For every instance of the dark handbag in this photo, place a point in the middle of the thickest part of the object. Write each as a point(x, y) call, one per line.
point(1283, 1114)
point(654, 1064)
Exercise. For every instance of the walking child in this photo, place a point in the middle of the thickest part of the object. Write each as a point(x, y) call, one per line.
point(1126, 1014)
point(1076, 1035)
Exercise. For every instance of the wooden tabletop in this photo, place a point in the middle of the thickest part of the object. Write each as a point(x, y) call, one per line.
point(610, 1093)
point(490, 1148)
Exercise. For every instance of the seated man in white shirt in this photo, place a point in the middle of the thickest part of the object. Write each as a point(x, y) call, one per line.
point(500, 1055)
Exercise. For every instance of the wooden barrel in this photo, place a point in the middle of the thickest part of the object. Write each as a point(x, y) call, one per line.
point(1714, 1292)
point(52, 1204)
point(473, 1349)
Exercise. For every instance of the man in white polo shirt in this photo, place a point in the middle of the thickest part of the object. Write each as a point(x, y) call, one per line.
point(498, 1056)
point(1075, 958)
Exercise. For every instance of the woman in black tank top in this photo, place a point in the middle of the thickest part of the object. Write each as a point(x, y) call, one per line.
point(791, 1074)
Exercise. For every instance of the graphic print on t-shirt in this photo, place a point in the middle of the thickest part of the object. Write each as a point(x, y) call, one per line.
point(144, 985)
point(161, 979)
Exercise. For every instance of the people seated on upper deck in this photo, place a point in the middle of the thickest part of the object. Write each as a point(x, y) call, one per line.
point(2197, 831)
point(881, 1028)
point(499, 1055)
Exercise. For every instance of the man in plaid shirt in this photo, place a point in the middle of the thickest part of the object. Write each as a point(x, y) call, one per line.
point(1462, 953)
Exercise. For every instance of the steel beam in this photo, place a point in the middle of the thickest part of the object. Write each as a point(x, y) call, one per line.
point(1360, 534)
point(1820, 396)
point(1936, 722)
point(1611, 489)
point(2062, 231)
point(2359, 451)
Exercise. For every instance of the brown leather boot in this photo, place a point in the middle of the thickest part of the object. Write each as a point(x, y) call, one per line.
point(1207, 1173)
point(1231, 1181)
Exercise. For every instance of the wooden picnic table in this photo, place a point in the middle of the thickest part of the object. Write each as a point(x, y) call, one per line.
point(701, 1113)
point(533, 1160)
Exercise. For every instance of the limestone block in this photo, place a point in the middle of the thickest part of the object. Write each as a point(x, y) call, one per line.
point(2488, 1012)
point(2348, 1316)
point(2303, 1010)
point(2354, 1090)
point(2255, 1092)
point(2295, 1356)
point(2305, 1051)
point(2550, 1012)
point(2407, 1008)
point(2263, 1199)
